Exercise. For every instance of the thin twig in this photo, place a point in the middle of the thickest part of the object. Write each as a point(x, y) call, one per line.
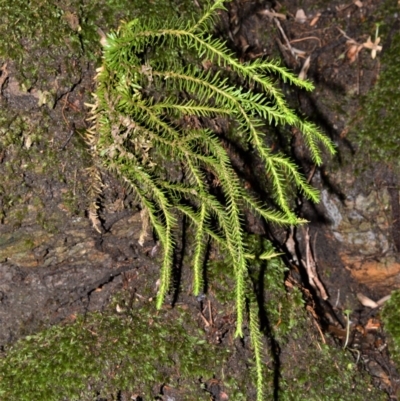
point(311, 269)
point(307, 38)
point(71, 133)
point(278, 24)
point(320, 332)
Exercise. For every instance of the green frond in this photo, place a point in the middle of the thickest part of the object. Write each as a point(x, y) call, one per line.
point(264, 256)
point(275, 67)
point(312, 137)
point(166, 267)
point(189, 108)
point(270, 215)
point(193, 170)
point(215, 208)
point(268, 255)
point(240, 273)
point(193, 215)
point(285, 165)
point(198, 257)
point(207, 19)
point(279, 185)
point(256, 343)
point(163, 225)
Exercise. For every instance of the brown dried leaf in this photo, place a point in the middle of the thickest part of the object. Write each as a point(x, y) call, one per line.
point(315, 19)
point(352, 52)
point(365, 301)
point(372, 324)
point(94, 218)
point(72, 21)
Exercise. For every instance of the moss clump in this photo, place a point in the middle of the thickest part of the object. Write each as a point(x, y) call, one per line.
point(315, 371)
point(390, 317)
point(41, 39)
point(102, 354)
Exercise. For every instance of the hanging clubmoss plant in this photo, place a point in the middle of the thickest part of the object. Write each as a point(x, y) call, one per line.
point(164, 90)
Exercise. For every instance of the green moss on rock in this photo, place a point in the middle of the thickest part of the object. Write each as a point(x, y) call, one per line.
point(51, 41)
point(376, 133)
point(390, 317)
point(105, 353)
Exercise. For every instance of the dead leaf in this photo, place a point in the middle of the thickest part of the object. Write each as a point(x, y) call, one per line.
point(28, 142)
point(365, 301)
point(3, 75)
point(298, 52)
point(207, 64)
point(103, 42)
point(372, 324)
point(353, 50)
point(223, 396)
point(315, 19)
point(381, 301)
point(94, 218)
point(144, 232)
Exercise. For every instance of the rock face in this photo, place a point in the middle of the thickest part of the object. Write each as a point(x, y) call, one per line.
point(65, 273)
point(370, 252)
point(353, 234)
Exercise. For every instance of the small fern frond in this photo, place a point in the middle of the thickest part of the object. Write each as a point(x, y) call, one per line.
point(292, 173)
point(194, 217)
point(166, 267)
point(268, 255)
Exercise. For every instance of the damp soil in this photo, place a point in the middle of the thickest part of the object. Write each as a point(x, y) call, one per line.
point(55, 266)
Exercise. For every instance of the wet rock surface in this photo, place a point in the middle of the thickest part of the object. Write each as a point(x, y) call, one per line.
point(364, 226)
point(74, 272)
